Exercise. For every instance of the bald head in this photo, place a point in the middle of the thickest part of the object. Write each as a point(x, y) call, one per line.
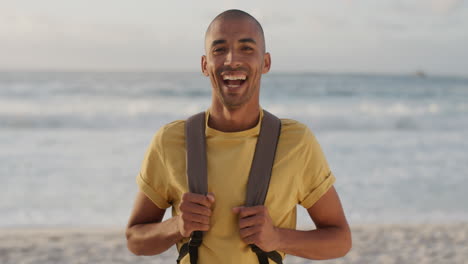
point(236, 15)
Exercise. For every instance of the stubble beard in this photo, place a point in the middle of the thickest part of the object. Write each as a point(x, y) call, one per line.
point(233, 103)
point(236, 101)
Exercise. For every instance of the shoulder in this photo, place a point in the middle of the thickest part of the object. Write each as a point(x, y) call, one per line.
point(169, 134)
point(174, 128)
point(295, 130)
point(297, 137)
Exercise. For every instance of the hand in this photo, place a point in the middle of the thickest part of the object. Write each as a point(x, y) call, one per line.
point(256, 227)
point(195, 212)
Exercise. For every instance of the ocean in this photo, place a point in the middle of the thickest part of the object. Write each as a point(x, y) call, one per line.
point(71, 144)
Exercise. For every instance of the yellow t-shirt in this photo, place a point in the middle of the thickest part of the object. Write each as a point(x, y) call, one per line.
point(300, 176)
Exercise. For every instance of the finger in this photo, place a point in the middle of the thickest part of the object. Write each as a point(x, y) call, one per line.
point(246, 232)
point(196, 198)
point(250, 221)
point(211, 197)
point(252, 239)
point(236, 210)
point(188, 207)
point(202, 219)
point(199, 227)
point(250, 211)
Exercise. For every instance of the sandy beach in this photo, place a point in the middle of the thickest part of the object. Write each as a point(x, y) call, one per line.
point(387, 244)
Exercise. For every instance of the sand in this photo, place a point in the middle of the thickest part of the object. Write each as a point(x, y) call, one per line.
point(428, 243)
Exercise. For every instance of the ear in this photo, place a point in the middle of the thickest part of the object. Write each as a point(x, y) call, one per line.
point(203, 66)
point(266, 63)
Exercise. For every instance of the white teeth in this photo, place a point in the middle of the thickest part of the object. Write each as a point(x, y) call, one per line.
point(234, 77)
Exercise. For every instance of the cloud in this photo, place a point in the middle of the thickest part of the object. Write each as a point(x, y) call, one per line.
point(427, 7)
point(273, 18)
point(40, 41)
point(392, 26)
point(43, 29)
point(445, 6)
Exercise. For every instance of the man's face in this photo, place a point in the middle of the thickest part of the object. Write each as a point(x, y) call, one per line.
point(235, 60)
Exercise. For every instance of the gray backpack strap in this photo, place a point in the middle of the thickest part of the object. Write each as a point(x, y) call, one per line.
point(197, 175)
point(195, 142)
point(260, 174)
point(263, 160)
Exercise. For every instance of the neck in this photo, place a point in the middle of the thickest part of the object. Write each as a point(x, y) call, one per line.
point(233, 120)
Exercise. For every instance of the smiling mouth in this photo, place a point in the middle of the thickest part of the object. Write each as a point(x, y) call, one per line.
point(234, 80)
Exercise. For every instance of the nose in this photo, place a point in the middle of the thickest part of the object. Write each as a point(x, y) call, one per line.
point(232, 59)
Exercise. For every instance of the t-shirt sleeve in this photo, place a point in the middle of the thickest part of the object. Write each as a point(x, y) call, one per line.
point(316, 178)
point(153, 177)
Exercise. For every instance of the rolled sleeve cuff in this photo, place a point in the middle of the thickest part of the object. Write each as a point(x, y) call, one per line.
point(151, 193)
point(318, 192)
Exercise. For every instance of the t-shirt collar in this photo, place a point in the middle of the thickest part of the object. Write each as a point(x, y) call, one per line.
point(254, 131)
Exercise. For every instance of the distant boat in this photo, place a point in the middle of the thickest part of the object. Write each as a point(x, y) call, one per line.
point(420, 74)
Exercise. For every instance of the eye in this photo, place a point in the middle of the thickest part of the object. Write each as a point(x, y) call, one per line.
point(219, 50)
point(247, 48)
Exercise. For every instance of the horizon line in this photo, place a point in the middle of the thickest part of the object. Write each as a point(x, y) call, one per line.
point(416, 73)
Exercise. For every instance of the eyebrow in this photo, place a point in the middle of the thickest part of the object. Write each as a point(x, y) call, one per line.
point(248, 40)
point(217, 42)
point(222, 41)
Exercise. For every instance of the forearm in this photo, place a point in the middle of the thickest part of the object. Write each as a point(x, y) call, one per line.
point(322, 243)
point(153, 238)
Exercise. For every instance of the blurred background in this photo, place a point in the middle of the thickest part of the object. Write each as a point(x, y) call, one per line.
point(84, 85)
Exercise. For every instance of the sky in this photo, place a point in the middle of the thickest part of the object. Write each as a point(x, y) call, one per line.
point(351, 36)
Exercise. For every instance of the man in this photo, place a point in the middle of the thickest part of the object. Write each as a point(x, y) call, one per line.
point(235, 60)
